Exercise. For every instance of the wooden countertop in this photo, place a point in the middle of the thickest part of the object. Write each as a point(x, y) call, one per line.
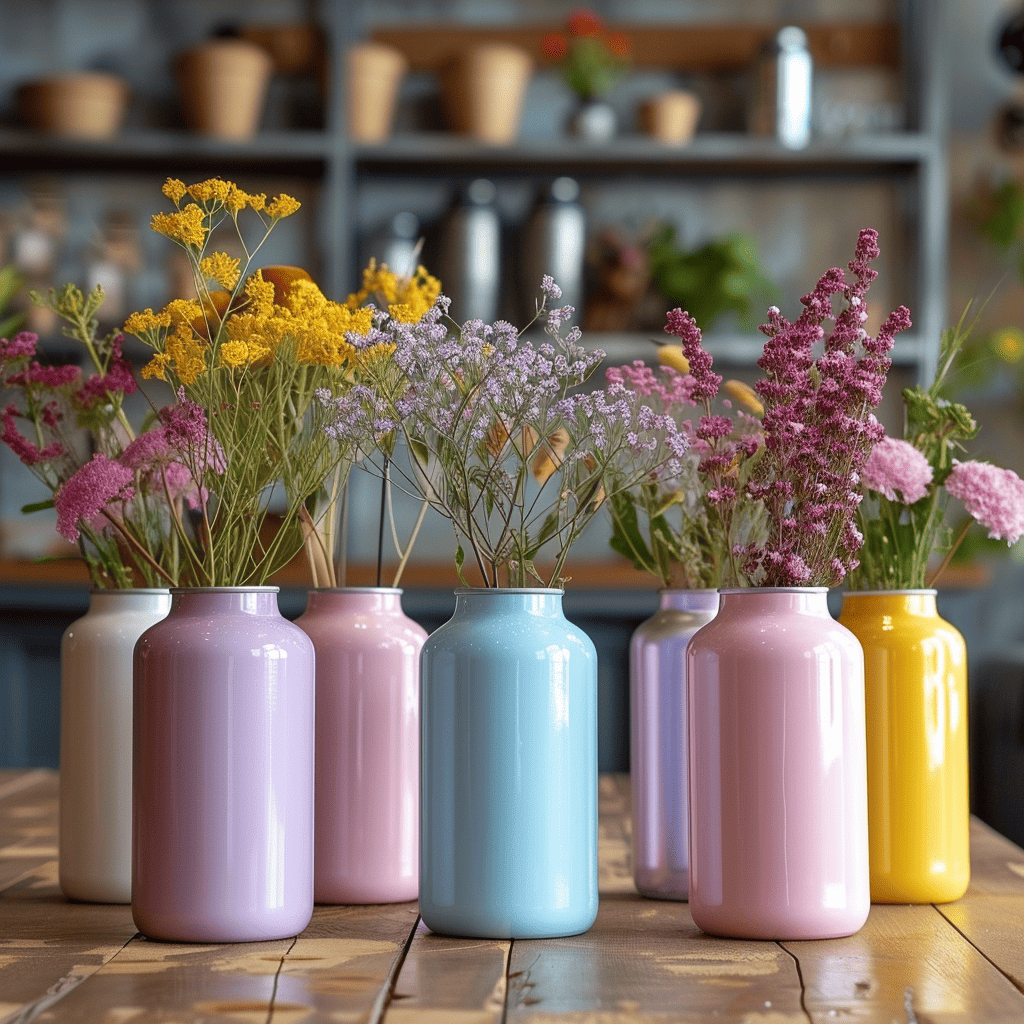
point(643, 961)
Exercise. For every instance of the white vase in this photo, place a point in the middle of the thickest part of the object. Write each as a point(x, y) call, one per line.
point(95, 806)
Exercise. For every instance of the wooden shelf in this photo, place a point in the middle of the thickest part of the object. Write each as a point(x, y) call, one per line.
point(444, 152)
point(695, 47)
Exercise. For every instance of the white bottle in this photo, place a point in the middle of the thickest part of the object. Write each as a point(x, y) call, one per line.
point(95, 804)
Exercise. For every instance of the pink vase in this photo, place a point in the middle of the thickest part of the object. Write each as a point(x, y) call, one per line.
point(778, 778)
point(367, 745)
point(222, 841)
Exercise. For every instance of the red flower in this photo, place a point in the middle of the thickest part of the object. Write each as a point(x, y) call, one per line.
point(554, 45)
point(584, 22)
point(618, 44)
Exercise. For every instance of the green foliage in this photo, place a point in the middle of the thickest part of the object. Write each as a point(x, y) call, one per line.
point(10, 284)
point(722, 276)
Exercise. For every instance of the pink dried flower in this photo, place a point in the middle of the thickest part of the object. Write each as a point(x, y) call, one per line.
point(29, 453)
point(45, 376)
point(84, 496)
point(896, 465)
point(146, 450)
point(818, 428)
point(188, 434)
point(21, 345)
point(117, 379)
point(993, 496)
point(705, 381)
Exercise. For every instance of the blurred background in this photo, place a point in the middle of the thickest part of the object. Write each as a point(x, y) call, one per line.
point(713, 154)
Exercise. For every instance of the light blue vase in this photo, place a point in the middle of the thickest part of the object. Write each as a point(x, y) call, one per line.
point(508, 841)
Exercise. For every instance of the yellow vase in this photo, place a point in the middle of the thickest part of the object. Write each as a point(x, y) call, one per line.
point(915, 676)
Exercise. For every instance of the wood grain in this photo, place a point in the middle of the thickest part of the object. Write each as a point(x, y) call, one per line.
point(907, 964)
point(28, 824)
point(692, 47)
point(340, 968)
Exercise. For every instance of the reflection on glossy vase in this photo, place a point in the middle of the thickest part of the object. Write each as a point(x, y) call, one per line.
point(778, 788)
point(658, 769)
point(915, 680)
point(95, 804)
point(509, 769)
point(222, 843)
point(366, 839)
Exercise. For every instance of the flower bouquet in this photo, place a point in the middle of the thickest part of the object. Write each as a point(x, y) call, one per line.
point(907, 483)
point(591, 59)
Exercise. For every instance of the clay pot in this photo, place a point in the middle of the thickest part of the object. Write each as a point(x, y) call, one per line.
point(83, 104)
point(483, 92)
point(671, 116)
point(374, 72)
point(223, 86)
point(295, 47)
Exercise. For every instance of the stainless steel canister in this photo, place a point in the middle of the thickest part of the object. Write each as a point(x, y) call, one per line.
point(781, 95)
point(470, 264)
point(554, 242)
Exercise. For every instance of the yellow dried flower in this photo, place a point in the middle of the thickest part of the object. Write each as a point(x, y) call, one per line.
point(182, 311)
point(222, 268)
point(1008, 344)
point(745, 395)
point(260, 293)
point(156, 367)
point(186, 226)
point(187, 353)
point(257, 202)
point(213, 190)
point(141, 323)
point(282, 206)
point(236, 199)
point(174, 190)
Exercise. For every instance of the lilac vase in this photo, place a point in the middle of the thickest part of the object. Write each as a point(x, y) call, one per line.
point(223, 770)
point(366, 847)
point(657, 676)
point(778, 778)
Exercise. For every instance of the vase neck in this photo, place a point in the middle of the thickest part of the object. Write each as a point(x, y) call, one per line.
point(383, 600)
point(891, 602)
point(688, 600)
point(129, 601)
point(218, 600)
point(499, 600)
point(775, 600)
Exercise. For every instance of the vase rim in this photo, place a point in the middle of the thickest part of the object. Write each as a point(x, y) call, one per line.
point(509, 590)
point(129, 590)
point(226, 590)
point(909, 591)
point(694, 590)
point(772, 590)
point(355, 590)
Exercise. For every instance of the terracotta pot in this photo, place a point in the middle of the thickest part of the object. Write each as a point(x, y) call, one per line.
point(295, 47)
point(374, 73)
point(223, 86)
point(84, 105)
point(483, 92)
point(671, 116)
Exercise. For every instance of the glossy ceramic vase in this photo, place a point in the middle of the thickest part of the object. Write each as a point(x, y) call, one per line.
point(366, 836)
point(915, 682)
point(778, 786)
point(658, 764)
point(508, 842)
point(95, 803)
point(223, 777)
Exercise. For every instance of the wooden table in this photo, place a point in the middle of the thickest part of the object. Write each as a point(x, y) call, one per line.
point(643, 961)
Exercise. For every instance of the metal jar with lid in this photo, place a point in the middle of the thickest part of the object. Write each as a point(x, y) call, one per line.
point(781, 96)
point(470, 264)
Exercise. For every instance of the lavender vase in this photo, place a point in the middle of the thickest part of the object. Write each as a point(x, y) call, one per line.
point(657, 676)
point(366, 847)
point(223, 770)
point(778, 777)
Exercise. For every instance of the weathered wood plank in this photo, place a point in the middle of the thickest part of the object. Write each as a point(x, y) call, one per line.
point(28, 824)
point(907, 963)
point(645, 960)
point(997, 865)
point(340, 968)
point(450, 981)
point(48, 947)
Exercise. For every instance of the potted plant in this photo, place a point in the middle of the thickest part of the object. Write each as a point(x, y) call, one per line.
point(592, 60)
